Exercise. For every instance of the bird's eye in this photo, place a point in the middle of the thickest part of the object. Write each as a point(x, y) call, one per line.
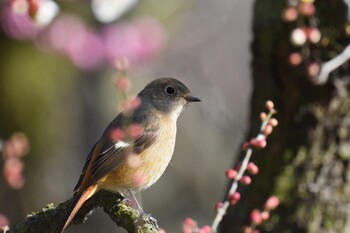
point(169, 90)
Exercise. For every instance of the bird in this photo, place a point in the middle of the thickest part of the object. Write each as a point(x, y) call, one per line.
point(108, 165)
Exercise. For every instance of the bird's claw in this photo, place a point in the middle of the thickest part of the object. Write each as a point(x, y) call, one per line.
point(147, 218)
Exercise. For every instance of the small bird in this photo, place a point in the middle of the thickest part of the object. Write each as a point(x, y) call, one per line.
point(135, 161)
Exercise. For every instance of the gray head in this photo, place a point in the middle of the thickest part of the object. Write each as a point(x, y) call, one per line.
point(167, 95)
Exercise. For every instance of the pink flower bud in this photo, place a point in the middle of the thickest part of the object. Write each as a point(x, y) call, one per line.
point(265, 215)
point(189, 225)
point(234, 198)
point(4, 221)
point(262, 116)
point(246, 180)
point(290, 14)
point(273, 122)
point(123, 84)
point(252, 168)
point(13, 173)
point(268, 130)
point(245, 145)
point(204, 229)
point(231, 174)
point(247, 229)
point(161, 230)
point(313, 35)
point(139, 179)
point(255, 217)
point(116, 134)
point(218, 205)
point(295, 59)
point(135, 130)
point(272, 203)
point(313, 69)
point(122, 64)
point(307, 9)
point(258, 143)
point(269, 105)
point(130, 105)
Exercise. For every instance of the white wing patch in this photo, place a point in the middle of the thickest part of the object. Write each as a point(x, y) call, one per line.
point(121, 144)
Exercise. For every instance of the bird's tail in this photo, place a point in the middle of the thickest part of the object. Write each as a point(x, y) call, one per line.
point(77, 202)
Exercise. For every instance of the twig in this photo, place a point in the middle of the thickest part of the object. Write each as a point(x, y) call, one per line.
point(329, 66)
point(223, 209)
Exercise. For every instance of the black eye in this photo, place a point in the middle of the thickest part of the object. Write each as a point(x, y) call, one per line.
point(169, 90)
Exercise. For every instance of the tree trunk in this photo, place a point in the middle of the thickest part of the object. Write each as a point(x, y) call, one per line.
point(306, 162)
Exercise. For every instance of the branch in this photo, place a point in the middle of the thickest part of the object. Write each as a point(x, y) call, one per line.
point(331, 65)
point(118, 209)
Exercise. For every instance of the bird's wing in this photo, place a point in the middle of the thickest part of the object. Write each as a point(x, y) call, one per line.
point(106, 156)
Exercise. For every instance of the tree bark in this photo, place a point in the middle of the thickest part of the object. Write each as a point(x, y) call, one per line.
point(306, 162)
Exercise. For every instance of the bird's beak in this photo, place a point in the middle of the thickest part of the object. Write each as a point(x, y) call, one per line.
point(190, 98)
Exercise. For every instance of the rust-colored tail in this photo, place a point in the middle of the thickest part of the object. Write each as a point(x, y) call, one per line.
point(77, 202)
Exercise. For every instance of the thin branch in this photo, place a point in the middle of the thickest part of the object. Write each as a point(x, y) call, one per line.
point(223, 209)
point(329, 66)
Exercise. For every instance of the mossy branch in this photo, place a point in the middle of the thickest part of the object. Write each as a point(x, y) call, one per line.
point(118, 209)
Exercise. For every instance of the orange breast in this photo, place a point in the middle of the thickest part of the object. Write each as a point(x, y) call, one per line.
point(150, 165)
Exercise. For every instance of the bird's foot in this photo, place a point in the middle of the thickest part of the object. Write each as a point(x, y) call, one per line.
point(147, 218)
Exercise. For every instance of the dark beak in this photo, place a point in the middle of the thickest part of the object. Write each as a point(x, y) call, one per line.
point(192, 99)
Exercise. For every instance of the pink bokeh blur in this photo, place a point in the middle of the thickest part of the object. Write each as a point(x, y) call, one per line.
point(89, 48)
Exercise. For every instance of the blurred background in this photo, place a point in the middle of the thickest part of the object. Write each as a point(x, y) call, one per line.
point(56, 87)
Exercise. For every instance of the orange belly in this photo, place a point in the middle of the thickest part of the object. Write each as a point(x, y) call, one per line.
point(151, 164)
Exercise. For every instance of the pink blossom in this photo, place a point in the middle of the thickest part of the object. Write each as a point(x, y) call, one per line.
point(265, 215)
point(18, 25)
point(204, 229)
point(246, 180)
point(269, 105)
point(137, 41)
point(307, 9)
point(218, 205)
point(295, 59)
point(123, 84)
point(252, 168)
point(122, 64)
point(116, 134)
point(139, 179)
point(272, 203)
point(255, 217)
point(273, 122)
point(153, 37)
point(290, 14)
point(16, 146)
point(69, 36)
point(189, 226)
point(231, 173)
point(130, 105)
point(262, 116)
point(314, 69)
point(268, 130)
point(13, 173)
point(4, 221)
point(134, 130)
point(258, 143)
point(234, 198)
point(245, 145)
